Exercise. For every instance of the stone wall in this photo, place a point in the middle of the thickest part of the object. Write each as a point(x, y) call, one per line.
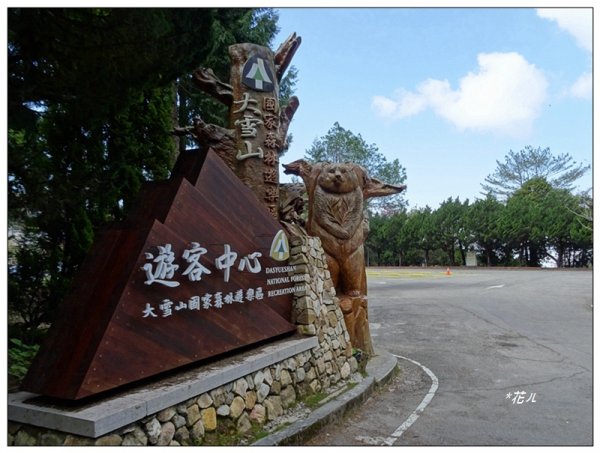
point(316, 309)
point(254, 400)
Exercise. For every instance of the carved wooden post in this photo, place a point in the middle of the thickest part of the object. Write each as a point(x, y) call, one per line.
point(257, 125)
point(255, 118)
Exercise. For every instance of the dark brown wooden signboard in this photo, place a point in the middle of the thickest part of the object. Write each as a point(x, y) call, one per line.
point(198, 270)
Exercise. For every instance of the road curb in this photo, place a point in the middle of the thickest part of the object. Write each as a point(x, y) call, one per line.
point(380, 369)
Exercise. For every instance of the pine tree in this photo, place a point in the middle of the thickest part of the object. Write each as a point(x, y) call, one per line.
point(529, 163)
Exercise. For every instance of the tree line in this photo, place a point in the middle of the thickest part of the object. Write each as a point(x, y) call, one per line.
point(526, 219)
point(537, 224)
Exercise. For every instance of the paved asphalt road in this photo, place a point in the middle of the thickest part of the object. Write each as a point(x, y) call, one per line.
point(509, 350)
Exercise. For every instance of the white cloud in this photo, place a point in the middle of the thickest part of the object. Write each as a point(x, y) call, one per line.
point(407, 104)
point(386, 107)
point(504, 96)
point(576, 21)
point(582, 88)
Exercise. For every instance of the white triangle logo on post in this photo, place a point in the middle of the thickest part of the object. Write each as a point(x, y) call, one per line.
point(280, 248)
point(257, 75)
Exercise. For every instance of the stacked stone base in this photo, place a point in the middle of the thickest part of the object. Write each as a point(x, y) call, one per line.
point(252, 400)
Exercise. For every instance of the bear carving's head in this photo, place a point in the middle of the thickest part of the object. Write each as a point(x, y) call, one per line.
point(338, 178)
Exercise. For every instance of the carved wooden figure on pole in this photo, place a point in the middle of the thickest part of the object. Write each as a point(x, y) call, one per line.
point(257, 124)
point(335, 214)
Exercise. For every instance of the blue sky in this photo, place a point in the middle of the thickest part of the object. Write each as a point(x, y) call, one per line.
point(447, 91)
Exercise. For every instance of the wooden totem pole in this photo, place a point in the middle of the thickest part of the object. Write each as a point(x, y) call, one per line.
point(257, 124)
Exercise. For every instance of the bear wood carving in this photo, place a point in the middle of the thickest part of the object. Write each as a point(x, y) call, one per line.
point(336, 193)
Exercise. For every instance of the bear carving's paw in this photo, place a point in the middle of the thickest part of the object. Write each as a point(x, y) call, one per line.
point(343, 234)
point(346, 305)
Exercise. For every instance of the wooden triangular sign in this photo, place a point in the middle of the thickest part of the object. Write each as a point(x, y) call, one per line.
point(186, 278)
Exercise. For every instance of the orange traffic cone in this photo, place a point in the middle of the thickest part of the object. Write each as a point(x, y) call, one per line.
point(448, 272)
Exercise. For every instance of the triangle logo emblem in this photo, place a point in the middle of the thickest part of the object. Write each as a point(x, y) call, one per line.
point(280, 248)
point(257, 75)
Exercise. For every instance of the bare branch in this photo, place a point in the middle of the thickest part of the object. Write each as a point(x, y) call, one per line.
point(285, 53)
point(285, 118)
point(207, 81)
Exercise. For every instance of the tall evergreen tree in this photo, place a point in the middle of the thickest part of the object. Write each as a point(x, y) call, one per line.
point(90, 110)
point(523, 221)
point(450, 224)
point(559, 171)
point(420, 230)
point(483, 218)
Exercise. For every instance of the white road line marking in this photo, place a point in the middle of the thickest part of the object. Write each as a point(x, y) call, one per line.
point(420, 408)
point(496, 286)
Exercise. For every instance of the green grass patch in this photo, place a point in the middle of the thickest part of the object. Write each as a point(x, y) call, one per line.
point(399, 274)
point(312, 401)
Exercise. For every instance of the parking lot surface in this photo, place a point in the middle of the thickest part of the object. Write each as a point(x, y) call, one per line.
point(511, 351)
